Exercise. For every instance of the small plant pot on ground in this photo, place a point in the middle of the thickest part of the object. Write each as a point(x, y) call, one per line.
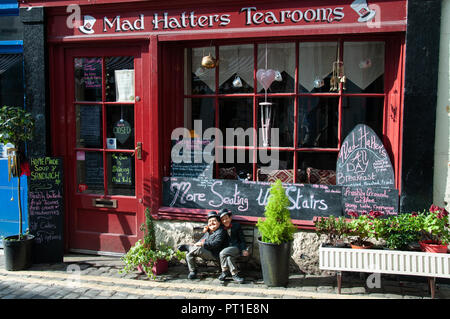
point(275, 263)
point(18, 253)
point(160, 267)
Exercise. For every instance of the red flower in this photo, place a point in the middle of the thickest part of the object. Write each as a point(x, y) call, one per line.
point(353, 214)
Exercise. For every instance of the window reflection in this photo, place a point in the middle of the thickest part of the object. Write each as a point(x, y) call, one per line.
point(362, 110)
point(236, 69)
point(318, 121)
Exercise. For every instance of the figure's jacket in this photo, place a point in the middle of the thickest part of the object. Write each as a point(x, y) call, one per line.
point(216, 241)
point(237, 238)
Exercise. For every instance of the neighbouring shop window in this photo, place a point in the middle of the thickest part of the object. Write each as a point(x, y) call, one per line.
point(312, 113)
point(11, 80)
point(105, 122)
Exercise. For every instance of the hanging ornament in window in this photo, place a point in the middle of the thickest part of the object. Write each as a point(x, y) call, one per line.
point(278, 76)
point(338, 75)
point(266, 77)
point(237, 82)
point(122, 129)
point(208, 61)
point(318, 82)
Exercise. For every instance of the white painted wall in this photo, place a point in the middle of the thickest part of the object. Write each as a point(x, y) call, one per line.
point(441, 187)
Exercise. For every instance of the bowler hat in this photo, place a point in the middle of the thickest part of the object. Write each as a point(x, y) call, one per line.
point(212, 214)
point(224, 212)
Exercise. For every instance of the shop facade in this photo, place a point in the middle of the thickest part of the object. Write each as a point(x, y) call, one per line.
point(123, 76)
point(11, 93)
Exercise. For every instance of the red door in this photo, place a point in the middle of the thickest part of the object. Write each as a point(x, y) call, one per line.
point(104, 123)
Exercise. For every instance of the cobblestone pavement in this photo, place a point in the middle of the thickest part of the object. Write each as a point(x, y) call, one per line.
point(98, 277)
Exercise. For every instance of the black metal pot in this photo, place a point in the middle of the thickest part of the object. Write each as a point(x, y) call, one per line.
point(275, 263)
point(18, 253)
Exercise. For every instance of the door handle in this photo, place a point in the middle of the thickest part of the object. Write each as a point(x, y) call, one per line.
point(138, 150)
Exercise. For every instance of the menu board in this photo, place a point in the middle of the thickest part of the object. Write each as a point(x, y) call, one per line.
point(363, 160)
point(46, 211)
point(192, 158)
point(90, 126)
point(88, 79)
point(94, 170)
point(362, 200)
point(121, 169)
point(250, 198)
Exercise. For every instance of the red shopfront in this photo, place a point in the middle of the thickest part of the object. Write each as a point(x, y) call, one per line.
point(130, 73)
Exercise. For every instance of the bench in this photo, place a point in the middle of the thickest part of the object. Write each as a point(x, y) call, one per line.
point(379, 261)
point(249, 234)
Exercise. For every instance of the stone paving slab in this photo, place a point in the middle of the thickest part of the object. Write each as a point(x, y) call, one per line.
point(98, 277)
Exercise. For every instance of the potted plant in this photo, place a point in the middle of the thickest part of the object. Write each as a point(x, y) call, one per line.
point(363, 227)
point(399, 231)
point(334, 228)
point(16, 127)
point(146, 256)
point(434, 230)
point(277, 233)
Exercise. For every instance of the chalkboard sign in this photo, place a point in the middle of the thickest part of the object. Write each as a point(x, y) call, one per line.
point(46, 211)
point(94, 170)
point(249, 198)
point(363, 160)
point(362, 200)
point(121, 169)
point(90, 126)
point(192, 158)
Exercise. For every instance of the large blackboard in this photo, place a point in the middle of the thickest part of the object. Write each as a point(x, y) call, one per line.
point(249, 198)
point(362, 200)
point(46, 211)
point(192, 158)
point(363, 160)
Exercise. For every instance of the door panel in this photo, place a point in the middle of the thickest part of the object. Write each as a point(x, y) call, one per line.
point(104, 185)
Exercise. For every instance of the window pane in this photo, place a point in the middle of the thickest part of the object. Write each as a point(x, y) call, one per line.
point(236, 115)
point(120, 79)
point(120, 126)
point(120, 174)
point(88, 79)
point(11, 28)
point(316, 66)
point(280, 57)
point(11, 79)
point(270, 172)
point(364, 67)
point(89, 126)
point(90, 172)
point(198, 115)
point(236, 69)
point(316, 168)
point(362, 110)
point(318, 122)
point(203, 80)
point(281, 118)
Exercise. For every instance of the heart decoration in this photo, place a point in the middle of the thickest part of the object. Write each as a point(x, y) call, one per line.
point(266, 77)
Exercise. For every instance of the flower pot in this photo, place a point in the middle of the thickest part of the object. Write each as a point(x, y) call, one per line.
point(18, 253)
point(160, 267)
point(365, 245)
point(275, 263)
point(433, 247)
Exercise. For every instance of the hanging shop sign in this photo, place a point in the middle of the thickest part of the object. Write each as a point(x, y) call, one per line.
point(376, 16)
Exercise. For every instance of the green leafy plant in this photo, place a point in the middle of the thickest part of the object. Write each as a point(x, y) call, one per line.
point(364, 227)
point(16, 127)
point(434, 225)
point(334, 228)
point(277, 227)
point(399, 231)
point(145, 253)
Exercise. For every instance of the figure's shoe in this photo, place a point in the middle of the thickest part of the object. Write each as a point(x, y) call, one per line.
point(238, 279)
point(192, 275)
point(224, 275)
point(183, 248)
